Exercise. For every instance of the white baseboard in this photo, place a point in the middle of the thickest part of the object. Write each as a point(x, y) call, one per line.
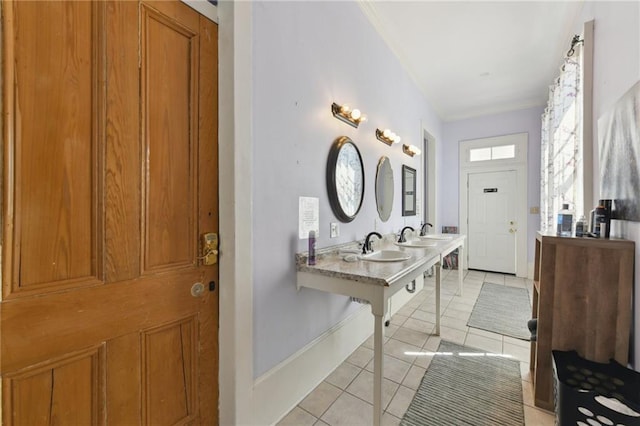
point(276, 392)
point(280, 389)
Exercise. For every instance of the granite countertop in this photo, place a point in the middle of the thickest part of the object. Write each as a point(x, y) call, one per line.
point(329, 261)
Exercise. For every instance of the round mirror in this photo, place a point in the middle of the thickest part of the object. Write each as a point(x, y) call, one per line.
point(345, 179)
point(384, 188)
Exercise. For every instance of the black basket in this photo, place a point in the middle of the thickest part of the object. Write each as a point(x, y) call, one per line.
point(581, 387)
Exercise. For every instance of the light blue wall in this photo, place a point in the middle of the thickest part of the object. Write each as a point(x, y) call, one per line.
point(616, 69)
point(307, 55)
point(521, 121)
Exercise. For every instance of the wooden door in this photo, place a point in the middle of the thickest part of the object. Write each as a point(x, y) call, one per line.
point(109, 179)
point(492, 226)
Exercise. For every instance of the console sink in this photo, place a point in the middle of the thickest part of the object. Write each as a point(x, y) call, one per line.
point(386, 256)
point(436, 237)
point(417, 244)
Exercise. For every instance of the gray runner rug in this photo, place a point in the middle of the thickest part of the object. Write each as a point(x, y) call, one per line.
point(503, 310)
point(467, 390)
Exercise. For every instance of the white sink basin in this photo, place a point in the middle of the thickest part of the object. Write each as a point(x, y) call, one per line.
point(436, 237)
point(386, 256)
point(417, 243)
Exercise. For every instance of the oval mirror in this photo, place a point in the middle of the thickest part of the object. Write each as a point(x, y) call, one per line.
point(345, 179)
point(384, 188)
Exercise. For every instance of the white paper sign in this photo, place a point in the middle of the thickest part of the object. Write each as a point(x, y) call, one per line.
point(308, 216)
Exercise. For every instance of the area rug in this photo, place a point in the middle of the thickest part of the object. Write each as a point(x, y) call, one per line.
point(502, 309)
point(460, 388)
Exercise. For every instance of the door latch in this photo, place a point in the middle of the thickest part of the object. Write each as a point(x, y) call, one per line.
point(209, 243)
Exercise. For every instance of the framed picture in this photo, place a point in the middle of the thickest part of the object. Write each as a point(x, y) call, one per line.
point(619, 137)
point(408, 191)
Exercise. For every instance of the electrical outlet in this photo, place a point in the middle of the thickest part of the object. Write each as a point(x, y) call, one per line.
point(335, 230)
point(534, 210)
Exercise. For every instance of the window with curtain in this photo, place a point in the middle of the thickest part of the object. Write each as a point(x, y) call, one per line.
point(561, 175)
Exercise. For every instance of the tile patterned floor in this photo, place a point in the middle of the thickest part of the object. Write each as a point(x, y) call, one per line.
point(345, 396)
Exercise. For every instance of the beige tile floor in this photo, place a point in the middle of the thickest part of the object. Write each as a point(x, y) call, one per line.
point(345, 396)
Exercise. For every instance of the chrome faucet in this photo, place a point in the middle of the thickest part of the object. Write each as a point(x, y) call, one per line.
point(401, 238)
point(366, 247)
point(423, 230)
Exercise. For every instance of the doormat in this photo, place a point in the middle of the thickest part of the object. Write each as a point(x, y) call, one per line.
point(502, 309)
point(465, 386)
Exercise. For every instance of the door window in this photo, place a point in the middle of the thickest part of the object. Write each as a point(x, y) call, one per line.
point(498, 152)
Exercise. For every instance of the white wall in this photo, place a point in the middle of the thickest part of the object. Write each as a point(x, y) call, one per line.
point(520, 121)
point(307, 55)
point(616, 69)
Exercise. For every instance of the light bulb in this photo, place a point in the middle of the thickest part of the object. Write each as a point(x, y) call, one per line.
point(393, 136)
point(355, 114)
point(344, 108)
point(363, 118)
point(397, 139)
point(386, 133)
point(416, 150)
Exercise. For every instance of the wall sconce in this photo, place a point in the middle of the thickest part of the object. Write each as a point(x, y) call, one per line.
point(387, 136)
point(411, 150)
point(352, 117)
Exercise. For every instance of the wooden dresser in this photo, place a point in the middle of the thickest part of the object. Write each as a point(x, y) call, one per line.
point(582, 298)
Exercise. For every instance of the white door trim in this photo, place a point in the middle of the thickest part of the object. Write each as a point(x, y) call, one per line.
point(519, 165)
point(235, 157)
point(429, 190)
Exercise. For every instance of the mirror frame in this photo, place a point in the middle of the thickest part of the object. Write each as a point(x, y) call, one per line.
point(408, 191)
point(380, 177)
point(334, 200)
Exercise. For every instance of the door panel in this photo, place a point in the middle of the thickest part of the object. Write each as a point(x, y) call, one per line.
point(491, 221)
point(61, 391)
point(56, 205)
point(169, 375)
point(110, 175)
point(170, 122)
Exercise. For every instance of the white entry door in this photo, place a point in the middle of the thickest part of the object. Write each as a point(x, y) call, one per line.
point(492, 221)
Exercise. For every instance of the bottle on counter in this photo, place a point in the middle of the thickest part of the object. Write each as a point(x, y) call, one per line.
point(581, 227)
point(605, 231)
point(600, 221)
point(565, 221)
point(312, 247)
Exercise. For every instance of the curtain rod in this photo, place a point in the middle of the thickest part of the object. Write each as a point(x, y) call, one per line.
point(575, 40)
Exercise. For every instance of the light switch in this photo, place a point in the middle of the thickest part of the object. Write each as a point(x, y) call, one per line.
point(335, 230)
point(534, 210)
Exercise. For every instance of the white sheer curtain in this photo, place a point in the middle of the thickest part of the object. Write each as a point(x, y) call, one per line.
point(561, 171)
